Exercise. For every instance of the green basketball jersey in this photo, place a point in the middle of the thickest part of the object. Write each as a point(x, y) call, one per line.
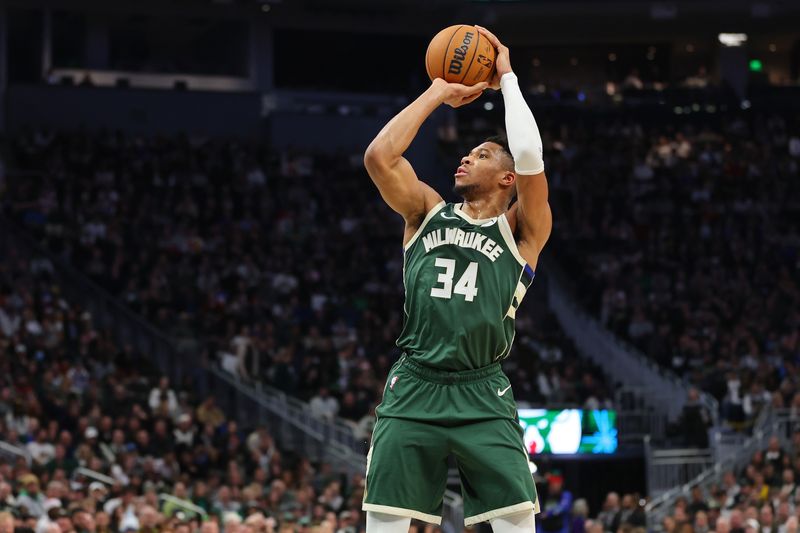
point(464, 279)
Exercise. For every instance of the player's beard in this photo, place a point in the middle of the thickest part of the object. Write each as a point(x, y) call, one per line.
point(466, 191)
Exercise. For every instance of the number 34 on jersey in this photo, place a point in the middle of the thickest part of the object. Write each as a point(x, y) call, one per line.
point(464, 280)
point(466, 284)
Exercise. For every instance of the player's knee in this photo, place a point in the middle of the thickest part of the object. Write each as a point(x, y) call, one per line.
point(387, 523)
point(514, 523)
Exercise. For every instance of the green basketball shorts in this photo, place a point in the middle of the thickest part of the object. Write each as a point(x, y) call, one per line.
point(427, 415)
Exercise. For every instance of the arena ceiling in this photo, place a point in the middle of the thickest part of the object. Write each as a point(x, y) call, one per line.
point(519, 21)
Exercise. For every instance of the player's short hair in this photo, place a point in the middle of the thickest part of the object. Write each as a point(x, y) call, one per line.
point(502, 141)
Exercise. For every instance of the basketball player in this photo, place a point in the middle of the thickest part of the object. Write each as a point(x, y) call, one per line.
point(466, 268)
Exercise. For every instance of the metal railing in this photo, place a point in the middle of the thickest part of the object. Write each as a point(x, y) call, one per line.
point(659, 388)
point(183, 504)
point(14, 452)
point(335, 430)
point(294, 427)
point(673, 467)
point(635, 425)
point(93, 474)
point(776, 423)
point(728, 443)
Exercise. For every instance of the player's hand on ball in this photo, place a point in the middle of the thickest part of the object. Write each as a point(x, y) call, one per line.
point(502, 63)
point(456, 94)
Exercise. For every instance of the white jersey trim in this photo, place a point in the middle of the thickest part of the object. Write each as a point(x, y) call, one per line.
point(503, 511)
point(425, 221)
point(477, 221)
point(508, 236)
point(399, 511)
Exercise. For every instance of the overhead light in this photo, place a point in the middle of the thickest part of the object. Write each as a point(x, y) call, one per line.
point(773, 47)
point(265, 8)
point(732, 39)
point(488, 106)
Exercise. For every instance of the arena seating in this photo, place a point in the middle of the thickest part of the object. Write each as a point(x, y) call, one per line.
point(666, 239)
point(762, 496)
point(679, 232)
point(254, 252)
point(81, 406)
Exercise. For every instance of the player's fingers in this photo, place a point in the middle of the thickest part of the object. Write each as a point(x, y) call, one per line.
point(488, 34)
point(469, 99)
point(491, 36)
point(469, 90)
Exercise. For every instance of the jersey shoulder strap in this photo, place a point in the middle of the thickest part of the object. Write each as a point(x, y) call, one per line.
point(432, 213)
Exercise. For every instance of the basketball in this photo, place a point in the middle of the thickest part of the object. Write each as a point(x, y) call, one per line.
point(459, 54)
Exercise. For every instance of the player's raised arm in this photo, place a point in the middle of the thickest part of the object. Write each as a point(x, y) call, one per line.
point(391, 172)
point(532, 210)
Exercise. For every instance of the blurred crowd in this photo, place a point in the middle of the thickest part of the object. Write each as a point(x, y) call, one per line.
point(680, 233)
point(562, 512)
point(254, 253)
point(693, 255)
point(761, 498)
point(95, 442)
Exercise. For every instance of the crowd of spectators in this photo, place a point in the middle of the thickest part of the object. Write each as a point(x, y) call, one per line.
point(255, 254)
point(681, 236)
point(73, 404)
point(680, 233)
point(762, 497)
point(562, 512)
point(692, 254)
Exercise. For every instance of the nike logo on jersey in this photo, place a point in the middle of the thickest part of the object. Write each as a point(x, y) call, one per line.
point(490, 223)
point(447, 217)
point(502, 392)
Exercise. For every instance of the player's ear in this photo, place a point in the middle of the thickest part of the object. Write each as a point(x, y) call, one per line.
point(508, 179)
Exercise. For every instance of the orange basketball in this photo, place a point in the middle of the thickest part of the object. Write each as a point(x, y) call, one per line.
point(459, 54)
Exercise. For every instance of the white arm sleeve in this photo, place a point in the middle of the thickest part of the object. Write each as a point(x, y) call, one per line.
point(524, 140)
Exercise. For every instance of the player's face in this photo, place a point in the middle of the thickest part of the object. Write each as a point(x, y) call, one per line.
point(480, 169)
